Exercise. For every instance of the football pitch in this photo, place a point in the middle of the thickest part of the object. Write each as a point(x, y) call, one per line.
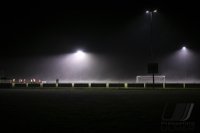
point(96, 110)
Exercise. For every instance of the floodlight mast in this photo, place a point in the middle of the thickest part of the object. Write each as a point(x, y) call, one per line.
point(148, 12)
point(80, 57)
point(184, 51)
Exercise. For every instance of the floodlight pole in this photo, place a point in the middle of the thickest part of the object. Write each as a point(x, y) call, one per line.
point(184, 64)
point(151, 39)
point(151, 33)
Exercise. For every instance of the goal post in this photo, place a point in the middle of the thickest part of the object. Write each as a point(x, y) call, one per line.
point(148, 79)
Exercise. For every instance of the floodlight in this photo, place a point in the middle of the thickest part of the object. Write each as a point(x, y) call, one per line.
point(80, 53)
point(184, 48)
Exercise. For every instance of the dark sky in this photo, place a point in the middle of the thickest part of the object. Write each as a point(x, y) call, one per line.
point(52, 27)
point(117, 28)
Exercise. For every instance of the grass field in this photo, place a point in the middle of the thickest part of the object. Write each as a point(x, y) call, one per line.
point(91, 110)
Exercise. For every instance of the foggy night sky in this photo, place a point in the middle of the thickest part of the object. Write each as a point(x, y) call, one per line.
point(36, 37)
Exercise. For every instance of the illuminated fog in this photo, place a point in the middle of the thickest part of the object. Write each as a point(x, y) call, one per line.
point(180, 66)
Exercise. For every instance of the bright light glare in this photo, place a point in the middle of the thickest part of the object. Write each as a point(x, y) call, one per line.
point(80, 54)
point(183, 48)
point(147, 12)
point(155, 11)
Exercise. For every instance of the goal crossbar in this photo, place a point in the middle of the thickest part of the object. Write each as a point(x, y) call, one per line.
point(149, 79)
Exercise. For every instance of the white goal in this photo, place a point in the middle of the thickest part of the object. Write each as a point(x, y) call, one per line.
point(149, 79)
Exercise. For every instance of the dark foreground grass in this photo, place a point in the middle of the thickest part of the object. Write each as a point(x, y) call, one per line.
point(92, 110)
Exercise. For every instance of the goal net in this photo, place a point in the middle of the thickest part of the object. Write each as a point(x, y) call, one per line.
point(149, 79)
